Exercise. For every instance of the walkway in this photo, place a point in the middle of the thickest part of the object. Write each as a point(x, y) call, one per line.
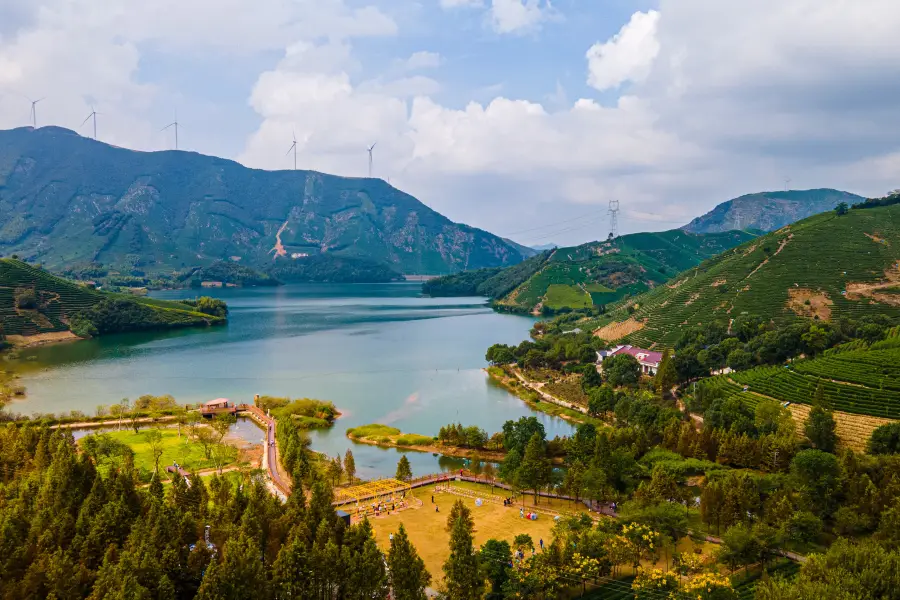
point(535, 386)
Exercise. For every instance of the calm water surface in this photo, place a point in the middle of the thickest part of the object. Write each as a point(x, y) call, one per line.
point(381, 353)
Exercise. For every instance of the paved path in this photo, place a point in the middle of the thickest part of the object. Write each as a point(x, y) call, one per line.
point(545, 396)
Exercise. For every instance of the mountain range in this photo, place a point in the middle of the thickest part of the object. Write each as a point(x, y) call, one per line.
point(768, 211)
point(67, 200)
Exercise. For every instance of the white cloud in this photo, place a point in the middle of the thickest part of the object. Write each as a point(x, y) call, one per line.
point(82, 52)
point(723, 99)
point(423, 60)
point(627, 56)
point(460, 3)
point(517, 16)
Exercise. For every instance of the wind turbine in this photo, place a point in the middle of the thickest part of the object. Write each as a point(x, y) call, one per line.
point(175, 125)
point(372, 147)
point(294, 148)
point(34, 111)
point(93, 114)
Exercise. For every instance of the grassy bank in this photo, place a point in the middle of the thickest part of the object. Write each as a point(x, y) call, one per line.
point(385, 436)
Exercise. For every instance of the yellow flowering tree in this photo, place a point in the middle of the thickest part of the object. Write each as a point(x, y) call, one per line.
point(643, 541)
point(651, 584)
point(689, 563)
point(709, 586)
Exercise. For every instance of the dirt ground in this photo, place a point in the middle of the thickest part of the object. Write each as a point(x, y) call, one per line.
point(427, 529)
point(819, 303)
point(615, 331)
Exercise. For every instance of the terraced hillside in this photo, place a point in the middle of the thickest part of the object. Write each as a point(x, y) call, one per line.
point(32, 301)
point(823, 267)
point(593, 274)
point(861, 384)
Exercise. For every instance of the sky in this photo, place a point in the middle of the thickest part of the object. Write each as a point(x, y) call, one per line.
point(522, 117)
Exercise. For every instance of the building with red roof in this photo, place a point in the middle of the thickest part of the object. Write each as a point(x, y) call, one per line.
point(648, 359)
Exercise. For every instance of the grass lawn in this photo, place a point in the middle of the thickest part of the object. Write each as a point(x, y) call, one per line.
point(427, 529)
point(562, 296)
point(187, 453)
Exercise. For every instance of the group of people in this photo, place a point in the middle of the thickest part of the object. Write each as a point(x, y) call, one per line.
point(507, 502)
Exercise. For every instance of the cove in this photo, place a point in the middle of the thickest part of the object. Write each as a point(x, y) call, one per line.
point(381, 352)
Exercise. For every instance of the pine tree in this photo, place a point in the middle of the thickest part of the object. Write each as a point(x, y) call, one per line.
point(335, 470)
point(404, 470)
point(535, 469)
point(349, 466)
point(460, 511)
point(665, 376)
point(820, 428)
point(240, 575)
point(463, 574)
point(409, 578)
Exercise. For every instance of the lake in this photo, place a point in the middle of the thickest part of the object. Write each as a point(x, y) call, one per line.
point(380, 352)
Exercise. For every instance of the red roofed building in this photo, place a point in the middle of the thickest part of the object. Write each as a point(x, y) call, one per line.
point(648, 359)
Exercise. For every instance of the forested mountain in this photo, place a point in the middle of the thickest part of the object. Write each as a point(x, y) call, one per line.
point(768, 211)
point(593, 274)
point(827, 266)
point(66, 200)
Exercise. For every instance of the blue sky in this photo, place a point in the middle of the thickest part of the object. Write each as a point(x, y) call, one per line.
point(511, 115)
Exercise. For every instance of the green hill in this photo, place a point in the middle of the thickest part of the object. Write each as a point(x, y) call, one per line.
point(69, 201)
point(32, 301)
point(593, 274)
point(768, 211)
point(824, 267)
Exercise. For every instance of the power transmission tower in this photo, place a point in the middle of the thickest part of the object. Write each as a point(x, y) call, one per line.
point(613, 219)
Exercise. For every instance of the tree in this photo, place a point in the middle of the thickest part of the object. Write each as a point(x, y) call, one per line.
point(621, 370)
point(841, 209)
point(769, 415)
point(665, 377)
point(154, 439)
point(885, 439)
point(460, 511)
point(687, 367)
point(601, 400)
point(349, 466)
point(241, 574)
point(498, 557)
point(222, 424)
point(820, 428)
point(335, 470)
point(817, 475)
point(463, 573)
point(404, 471)
point(516, 434)
point(534, 472)
point(408, 574)
point(740, 547)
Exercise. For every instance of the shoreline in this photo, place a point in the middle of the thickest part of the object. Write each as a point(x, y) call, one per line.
point(532, 399)
point(22, 342)
point(489, 455)
point(495, 456)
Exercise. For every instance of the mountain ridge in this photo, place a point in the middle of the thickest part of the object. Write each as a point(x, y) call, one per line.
point(768, 211)
point(589, 275)
point(67, 200)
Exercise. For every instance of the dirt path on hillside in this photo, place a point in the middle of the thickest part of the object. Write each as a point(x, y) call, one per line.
point(278, 249)
point(781, 246)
